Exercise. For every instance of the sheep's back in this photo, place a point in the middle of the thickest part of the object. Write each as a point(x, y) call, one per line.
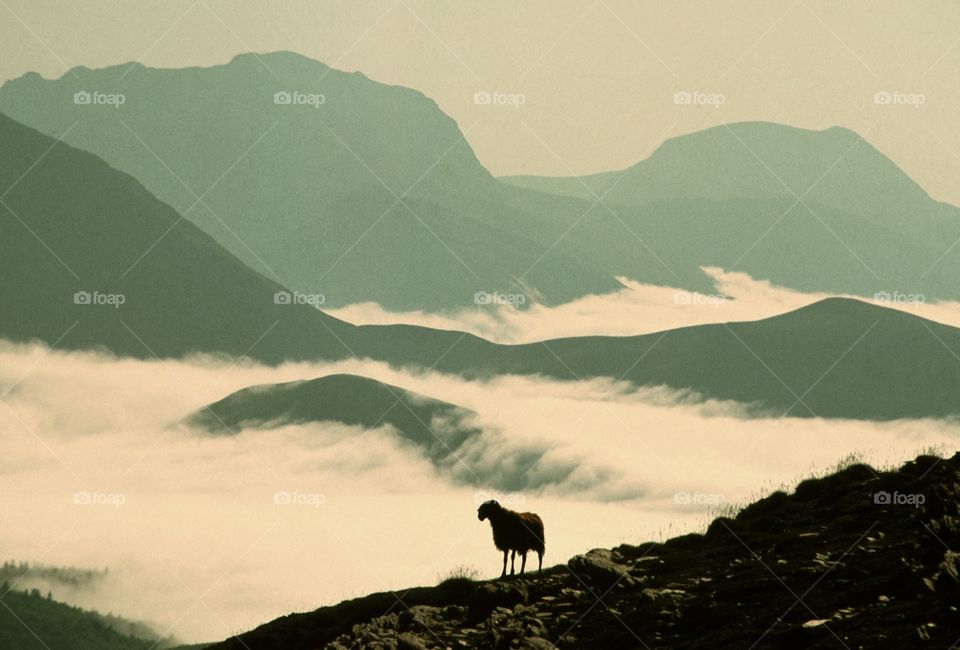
point(533, 531)
point(518, 531)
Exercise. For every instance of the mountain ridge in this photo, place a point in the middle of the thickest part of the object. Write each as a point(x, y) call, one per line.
point(864, 533)
point(374, 194)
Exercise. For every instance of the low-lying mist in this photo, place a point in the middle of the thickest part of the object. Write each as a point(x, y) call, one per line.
point(209, 535)
point(637, 308)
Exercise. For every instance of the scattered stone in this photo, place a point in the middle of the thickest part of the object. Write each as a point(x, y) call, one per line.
point(599, 568)
point(501, 594)
point(409, 642)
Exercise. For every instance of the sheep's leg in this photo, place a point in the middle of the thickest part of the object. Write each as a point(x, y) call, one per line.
point(513, 558)
point(523, 563)
point(539, 561)
point(504, 572)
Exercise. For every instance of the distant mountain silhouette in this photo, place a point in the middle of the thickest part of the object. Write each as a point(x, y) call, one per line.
point(767, 162)
point(315, 200)
point(437, 428)
point(31, 621)
point(727, 197)
point(440, 431)
point(836, 358)
point(74, 224)
point(307, 193)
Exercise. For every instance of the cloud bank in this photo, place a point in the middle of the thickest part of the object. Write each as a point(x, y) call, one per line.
point(635, 309)
point(208, 535)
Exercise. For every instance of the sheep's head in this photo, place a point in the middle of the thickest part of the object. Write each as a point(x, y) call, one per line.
point(488, 509)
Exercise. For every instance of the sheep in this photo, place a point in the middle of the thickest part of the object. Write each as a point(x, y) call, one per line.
point(514, 531)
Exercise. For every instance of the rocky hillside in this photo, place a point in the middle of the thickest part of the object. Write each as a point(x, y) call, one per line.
point(861, 558)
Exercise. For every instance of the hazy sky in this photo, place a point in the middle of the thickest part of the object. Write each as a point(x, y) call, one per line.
point(597, 78)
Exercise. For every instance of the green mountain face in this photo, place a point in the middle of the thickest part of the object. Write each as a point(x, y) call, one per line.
point(439, 431)
point(30, 621)
point(837, 358)
point(835, 168)
point(728, 197)
point(298, 170)
point(435, 427)
point(90, 259)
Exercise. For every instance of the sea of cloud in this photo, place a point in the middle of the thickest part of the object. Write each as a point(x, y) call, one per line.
point(209, 535)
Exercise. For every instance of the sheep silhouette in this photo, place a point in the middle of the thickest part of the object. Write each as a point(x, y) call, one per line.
point(514, 532)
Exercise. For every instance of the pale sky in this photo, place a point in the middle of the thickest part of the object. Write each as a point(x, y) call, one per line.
point(598, 77)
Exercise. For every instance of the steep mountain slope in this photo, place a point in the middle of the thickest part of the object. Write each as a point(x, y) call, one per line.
point(89, 259)
point(300, 168)
point(434, 426)
point(306, 192)
point(30, 621)
point(859, 558)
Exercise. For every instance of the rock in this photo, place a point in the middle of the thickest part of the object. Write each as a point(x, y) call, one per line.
point(951, 565)
point(407, 641)
point(599, 568)
point(488, 596)
point(517, 628)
